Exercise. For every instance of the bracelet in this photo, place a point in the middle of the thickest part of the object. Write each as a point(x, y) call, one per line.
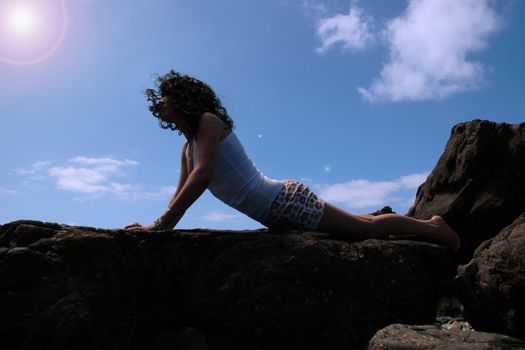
point(159, 226)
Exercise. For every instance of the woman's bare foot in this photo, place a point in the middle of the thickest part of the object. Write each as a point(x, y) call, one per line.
point(445, 234)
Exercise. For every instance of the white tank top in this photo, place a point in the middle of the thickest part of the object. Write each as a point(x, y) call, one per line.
point(238, 183)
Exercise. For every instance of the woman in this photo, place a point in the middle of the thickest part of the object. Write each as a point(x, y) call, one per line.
point(213, 157)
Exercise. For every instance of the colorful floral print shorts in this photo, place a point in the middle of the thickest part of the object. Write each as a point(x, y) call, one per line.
point(295, 207)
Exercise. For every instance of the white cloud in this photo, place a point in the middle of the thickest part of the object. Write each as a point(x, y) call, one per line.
point(7, 191)
point(107, 163)
point(92, 176)
point(352, 31)
point(365, 193)
point(412, 181)
point(80, 180)
point(314, 8)
point(429, 48)
point(220, 216)
point(32, 169)
point(163, 192)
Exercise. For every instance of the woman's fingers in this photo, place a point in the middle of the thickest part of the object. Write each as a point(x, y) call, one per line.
point(135, 224)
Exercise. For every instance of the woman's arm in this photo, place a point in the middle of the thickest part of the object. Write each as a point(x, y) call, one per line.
point(184, 173)
point(209, 134)
point(196, 179)
point(183, 177)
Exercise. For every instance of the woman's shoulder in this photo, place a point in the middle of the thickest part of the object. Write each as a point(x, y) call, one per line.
point(213, 121)
point(211, 118)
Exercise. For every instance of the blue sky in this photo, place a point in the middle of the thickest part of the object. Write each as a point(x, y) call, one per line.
point(355, 98)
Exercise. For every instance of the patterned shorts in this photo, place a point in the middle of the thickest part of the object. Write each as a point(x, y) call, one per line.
point(295, 207)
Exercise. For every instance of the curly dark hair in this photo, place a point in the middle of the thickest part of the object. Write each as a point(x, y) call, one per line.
point(190, 96)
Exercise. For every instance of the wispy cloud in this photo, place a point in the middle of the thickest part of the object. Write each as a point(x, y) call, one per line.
point(91, 178)
point(7, 191)
point(362, 193)
point(220, 216)
point(314, 8)
point(160, 193)
point(108, 164)
point(352, 32)
point(32, 170)
point(429, 47)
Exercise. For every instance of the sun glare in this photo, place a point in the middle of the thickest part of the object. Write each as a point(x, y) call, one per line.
point(31, 30)
point(21, 20)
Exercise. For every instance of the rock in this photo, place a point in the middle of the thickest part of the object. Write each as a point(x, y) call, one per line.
point(477, 185)
point(187, 339)
point(384, 210)
point(65, 287)
point(492, 284)
point(402, 337)
point(451, 311)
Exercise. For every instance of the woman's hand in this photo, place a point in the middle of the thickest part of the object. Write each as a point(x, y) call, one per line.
point(136, 227)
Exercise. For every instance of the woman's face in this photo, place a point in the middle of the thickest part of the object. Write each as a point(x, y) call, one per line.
point(167, 111)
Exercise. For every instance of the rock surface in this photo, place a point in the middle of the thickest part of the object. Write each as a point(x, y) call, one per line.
point(84, 288)
point(402, 337)
point(477, 185)
point(492, 284)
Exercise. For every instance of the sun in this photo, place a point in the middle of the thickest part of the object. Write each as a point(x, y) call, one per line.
point(21, 20)
point(31, 30)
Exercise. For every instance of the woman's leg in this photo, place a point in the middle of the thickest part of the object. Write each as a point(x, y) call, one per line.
point(341, 222)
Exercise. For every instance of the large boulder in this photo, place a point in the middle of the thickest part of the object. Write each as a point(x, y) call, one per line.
point(492, 284)
point(84, 288)
point(478, 184)
point(402, 337)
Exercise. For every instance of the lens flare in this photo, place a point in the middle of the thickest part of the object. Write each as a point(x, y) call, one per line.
point(31, 30)
point(21, 19)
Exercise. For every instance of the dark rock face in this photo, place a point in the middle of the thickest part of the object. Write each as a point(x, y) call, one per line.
point(84, 288)
point(478, 182)
point(402, 337)
point(493, 282)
